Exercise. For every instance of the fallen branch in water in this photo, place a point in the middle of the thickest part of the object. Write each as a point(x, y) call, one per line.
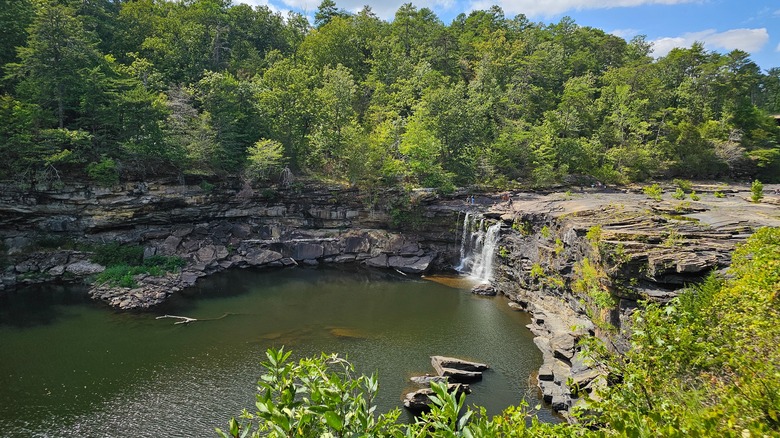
point(184, 319)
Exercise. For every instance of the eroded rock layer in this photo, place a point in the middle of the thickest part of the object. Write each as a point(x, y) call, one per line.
point(217, 230)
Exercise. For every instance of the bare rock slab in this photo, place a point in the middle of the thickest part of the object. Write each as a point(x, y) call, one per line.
point(458, 364)
point(426, 380)
point(458, 370)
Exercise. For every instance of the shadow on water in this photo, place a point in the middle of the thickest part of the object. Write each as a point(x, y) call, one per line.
point(41, 304)
point(238, 282)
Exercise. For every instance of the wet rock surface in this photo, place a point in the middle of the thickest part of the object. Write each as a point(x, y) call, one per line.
point(484, 289)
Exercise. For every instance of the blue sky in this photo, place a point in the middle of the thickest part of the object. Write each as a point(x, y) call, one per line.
point(722, 25)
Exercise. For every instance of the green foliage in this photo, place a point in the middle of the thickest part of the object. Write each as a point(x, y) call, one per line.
point(673, 238)
point(594, 235)
point(589, 282)
point(113, 253)
point(314, 397)
point(757, 191)
point(678, 194)
point(104, 172)
point(706, 363)
point(503, 252)
point(166, 263)
point(264, 156)
point(545, 232)
point(171, 89)
point(654, 191)
point(559, 247)
point(619, 255)
point(537, 271)
point(524, 227)
point(719, 194)
point(119, 275)
point(122, 274)
point(324, 396)
point(683, 184)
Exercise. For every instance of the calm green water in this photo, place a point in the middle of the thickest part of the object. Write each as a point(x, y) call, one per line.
point(71, 367)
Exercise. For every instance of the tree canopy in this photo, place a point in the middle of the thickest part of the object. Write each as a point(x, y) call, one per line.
point(179, 89)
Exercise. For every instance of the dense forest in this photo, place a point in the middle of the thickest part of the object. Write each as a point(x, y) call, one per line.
point(193, 90)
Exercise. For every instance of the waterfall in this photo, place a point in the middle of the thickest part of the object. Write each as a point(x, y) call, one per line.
point(463, 243)
point(477, 248)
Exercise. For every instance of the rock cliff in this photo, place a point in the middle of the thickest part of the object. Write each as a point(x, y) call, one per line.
point(217, 230)
point(583, 263)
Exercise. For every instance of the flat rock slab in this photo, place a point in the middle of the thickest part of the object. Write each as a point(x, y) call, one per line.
point(427, 380)
point(458, 370)
point(459, 376)
point(458, 364)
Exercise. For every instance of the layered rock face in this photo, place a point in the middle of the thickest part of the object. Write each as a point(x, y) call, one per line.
point(583, 263)
point(214, 231)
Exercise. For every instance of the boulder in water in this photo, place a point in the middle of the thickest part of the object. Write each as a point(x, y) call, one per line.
point(458, 370)
point(484, 289)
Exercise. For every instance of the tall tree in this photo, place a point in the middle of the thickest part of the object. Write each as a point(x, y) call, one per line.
point(326, 12)
point(15, 17)
point(54, 62)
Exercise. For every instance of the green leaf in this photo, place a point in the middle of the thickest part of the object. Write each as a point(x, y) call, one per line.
point(234, 428)
point(334, 420)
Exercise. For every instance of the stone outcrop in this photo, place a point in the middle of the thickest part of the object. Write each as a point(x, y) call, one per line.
point(583, 263)
point(223, 229)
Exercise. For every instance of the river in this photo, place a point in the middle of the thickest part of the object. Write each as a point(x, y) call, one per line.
point(72, 367)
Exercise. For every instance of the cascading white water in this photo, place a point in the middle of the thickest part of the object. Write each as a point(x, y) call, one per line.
point(463, 241)
point(477, 248)
point(483, 264)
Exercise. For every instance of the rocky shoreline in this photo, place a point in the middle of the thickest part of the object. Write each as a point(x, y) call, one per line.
point(583, 263)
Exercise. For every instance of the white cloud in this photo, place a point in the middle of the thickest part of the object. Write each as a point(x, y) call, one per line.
point(749, 40)
point(548, 8)
point(626, 34)
point(264, 3)
point(777, 49)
